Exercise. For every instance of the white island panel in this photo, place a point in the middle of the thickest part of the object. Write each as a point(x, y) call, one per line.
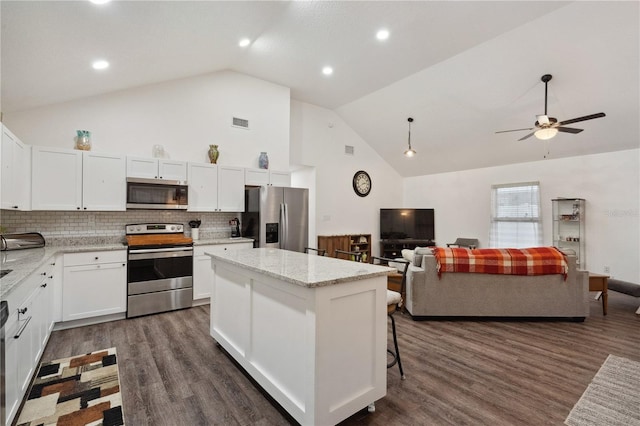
point(317, 349)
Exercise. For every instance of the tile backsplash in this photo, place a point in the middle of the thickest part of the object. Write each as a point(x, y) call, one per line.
point(65, 225)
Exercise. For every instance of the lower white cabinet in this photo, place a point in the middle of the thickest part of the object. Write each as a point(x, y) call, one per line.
point(26, 334)
point(94, 284)
point(202, 272)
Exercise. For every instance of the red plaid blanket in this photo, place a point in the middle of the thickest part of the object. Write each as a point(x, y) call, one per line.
point(529, 261)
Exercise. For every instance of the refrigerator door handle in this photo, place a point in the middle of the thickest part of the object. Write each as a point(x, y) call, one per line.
point(285, 227)
point(281, 226)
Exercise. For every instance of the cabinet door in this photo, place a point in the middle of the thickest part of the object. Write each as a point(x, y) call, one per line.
point(104, 182)
point(230, 189)
point(202, 272)
point(94, 290)
point(142, 167)
point(15, 172)
point(56, 179)
point(256, 177)
point(203, 187)
point(277, 178)
point(12, 387)
point(172, 170)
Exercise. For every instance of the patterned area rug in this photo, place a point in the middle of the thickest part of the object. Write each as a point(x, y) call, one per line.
point(81, 390)
point(612, 398)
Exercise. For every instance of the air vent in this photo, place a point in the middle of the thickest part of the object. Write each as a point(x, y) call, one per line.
point(240, 122)
point(349, 150)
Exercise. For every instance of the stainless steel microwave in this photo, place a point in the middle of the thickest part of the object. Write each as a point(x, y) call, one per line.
point(157, 194)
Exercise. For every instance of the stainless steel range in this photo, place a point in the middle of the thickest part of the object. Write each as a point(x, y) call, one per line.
point(159, 269)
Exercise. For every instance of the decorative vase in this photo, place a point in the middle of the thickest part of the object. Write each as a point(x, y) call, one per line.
point(213, 154)
point(83, 140)
point(263, 160)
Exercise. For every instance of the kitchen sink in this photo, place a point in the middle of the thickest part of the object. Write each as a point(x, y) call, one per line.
point(5, 272)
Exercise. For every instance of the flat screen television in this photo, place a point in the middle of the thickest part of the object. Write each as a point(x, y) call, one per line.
point(401, 224)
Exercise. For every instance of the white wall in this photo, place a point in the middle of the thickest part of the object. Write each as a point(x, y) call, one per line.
point(318, 139)
point(185, 116)
point(609, 182)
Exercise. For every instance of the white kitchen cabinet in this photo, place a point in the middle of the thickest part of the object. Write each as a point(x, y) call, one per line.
point(94, 284)
point(27, 332)
point(67, 179)
point(279, 178)
point(104, 182)
point(215, 188)
point(15, 172)
point(56, 179)
point(154, 168)
point(260, 177)
point(202, 272)
point(203, 187)
point(230, 189)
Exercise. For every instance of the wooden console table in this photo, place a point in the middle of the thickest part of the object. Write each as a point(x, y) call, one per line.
point(599, 282)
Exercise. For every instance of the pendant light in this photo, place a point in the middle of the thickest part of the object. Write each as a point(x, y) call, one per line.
point(410, 152)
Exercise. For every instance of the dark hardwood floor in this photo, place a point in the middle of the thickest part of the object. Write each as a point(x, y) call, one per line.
point(458, 372)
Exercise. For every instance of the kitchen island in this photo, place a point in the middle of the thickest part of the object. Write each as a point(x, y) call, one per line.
point(311, 330)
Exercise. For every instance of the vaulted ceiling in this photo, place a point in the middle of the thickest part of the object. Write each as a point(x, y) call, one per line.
point(462, 70)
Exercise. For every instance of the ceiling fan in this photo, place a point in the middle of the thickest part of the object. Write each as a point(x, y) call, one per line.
point(547, 127)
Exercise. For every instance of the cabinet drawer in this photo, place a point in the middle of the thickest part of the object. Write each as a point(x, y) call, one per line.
point(95, 257)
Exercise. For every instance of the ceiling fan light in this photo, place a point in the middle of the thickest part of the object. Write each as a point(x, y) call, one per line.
point(545, 134)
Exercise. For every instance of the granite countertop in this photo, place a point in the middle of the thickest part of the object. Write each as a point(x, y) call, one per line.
point(212, 241)
point(23, 262)
point(306, 270)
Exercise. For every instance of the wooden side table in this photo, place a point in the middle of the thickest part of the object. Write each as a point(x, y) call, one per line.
point(600, 282)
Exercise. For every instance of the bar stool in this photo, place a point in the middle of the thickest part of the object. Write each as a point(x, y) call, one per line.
point(394, 302)
point(348, 255)
point(319, 252)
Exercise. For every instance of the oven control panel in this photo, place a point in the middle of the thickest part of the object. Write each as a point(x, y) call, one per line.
point(154, 228)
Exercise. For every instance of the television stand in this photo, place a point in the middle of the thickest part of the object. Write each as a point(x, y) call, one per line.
point(393, 248)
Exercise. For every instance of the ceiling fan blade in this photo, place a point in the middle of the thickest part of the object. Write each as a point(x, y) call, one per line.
point(585, 118)
point(543, 119)
point(514, 130)
point(526, 137)
point(569, 130)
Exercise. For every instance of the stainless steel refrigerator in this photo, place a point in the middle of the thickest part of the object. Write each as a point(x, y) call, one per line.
point(277, 217)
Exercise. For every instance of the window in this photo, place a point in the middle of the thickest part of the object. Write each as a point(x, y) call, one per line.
point(515, 215)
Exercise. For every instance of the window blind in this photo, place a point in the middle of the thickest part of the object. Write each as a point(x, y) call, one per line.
point(515, 215)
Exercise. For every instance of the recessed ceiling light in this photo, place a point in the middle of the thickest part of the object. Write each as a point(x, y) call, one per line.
point(327, 70)
point(99, 1)
point(244, 42)
point(100, 65)
point(382, 34)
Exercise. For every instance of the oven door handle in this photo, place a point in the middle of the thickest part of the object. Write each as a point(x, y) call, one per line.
point(160, 253)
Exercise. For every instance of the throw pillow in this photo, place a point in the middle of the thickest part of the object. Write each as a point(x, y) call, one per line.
point(419, 252)
point(408, 255)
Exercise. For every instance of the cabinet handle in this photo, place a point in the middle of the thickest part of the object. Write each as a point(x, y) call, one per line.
point(14, 207)
point(96, 257)
point(124, 264)
point(43, 274)
point(19, 333)
point(85, 208)
point(50, 277)
point(43, 285)
point(53, 264)
point(77, 208)
point(22, 311)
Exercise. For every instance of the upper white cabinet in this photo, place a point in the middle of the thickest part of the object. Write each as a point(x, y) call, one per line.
point(16, 172)
point(230, 189)
point(260, 177)
point(215, 188)
point(154, 168)
point(56, 179)
point(65, 179)
point(104, 182)
point(279, 178)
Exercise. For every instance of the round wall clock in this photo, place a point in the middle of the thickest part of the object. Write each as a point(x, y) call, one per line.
point(362, 183)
